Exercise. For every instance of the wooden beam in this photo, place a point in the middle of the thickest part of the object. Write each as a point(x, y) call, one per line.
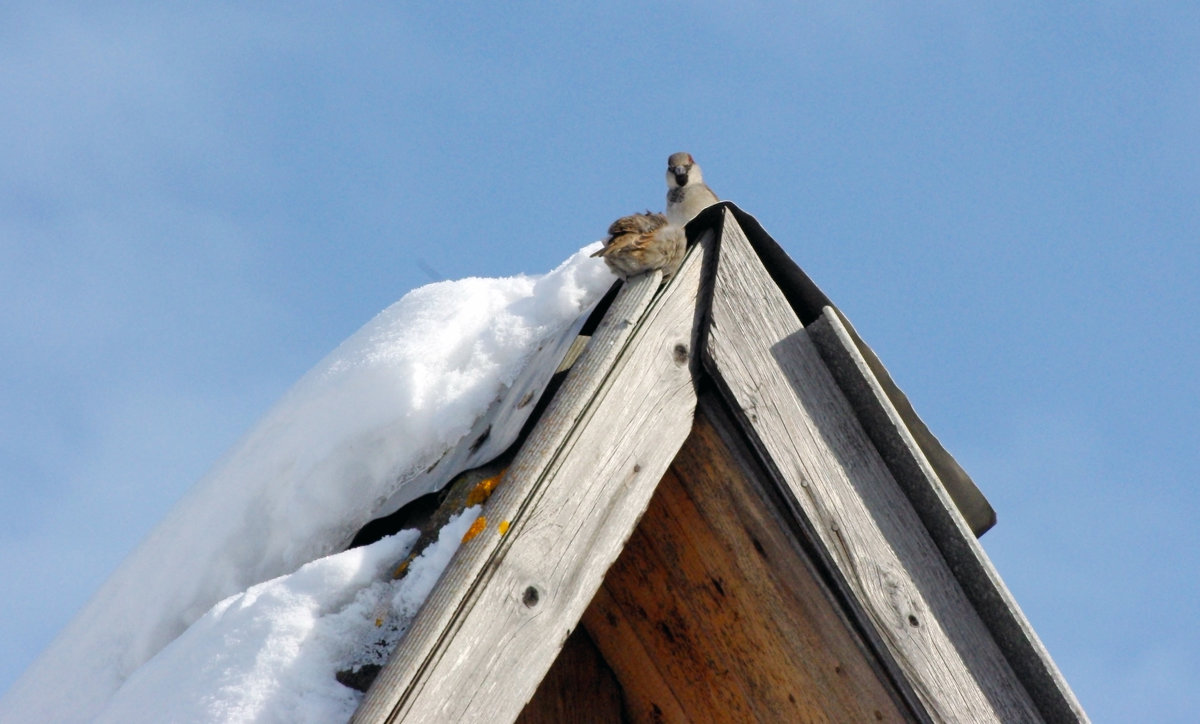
point(949, 530)
point(809, 302)
point(497, 619)
point(715, 613)
point(863, 524)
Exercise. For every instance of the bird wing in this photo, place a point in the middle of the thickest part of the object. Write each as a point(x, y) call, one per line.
point(637, 223)
point(627, 242)
point(632, 232)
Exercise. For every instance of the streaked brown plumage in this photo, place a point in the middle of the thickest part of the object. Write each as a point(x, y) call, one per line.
point(642, 242)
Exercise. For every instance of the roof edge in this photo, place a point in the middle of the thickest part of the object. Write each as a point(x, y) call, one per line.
point(808, 302)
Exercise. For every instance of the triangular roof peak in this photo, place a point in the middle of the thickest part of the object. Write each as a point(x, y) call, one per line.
point(749, 520)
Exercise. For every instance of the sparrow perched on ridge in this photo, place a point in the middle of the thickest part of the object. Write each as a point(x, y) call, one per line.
point(642, 242)
point(687, 194)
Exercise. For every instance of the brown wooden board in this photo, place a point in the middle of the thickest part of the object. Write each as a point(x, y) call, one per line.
point(714, 612)
point(579, 688)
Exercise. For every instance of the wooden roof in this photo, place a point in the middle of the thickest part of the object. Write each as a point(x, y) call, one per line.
point(746, 516)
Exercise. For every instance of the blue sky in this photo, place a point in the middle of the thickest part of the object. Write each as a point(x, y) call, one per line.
point(198, 203)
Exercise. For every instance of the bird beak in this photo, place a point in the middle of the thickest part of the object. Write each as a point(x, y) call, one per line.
point(679, 170)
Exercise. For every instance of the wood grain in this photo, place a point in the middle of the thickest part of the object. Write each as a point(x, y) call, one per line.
point(502, 610)
point(940, 514)
point(863, 523)
point(714, 613)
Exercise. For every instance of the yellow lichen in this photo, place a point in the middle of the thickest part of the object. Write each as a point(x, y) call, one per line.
point(483, 490)
point(503, 527)
point(475, 529)
point(401, 569)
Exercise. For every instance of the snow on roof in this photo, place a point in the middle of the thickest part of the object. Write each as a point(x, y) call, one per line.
point(359, 429)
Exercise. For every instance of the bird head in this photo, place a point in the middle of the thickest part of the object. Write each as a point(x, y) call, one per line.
point(682, 170)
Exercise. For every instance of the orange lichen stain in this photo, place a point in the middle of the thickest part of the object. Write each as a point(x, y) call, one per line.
point(503, 527)
point(400, 569)
point(475, 529)
point(378, 622)
point(483, 490)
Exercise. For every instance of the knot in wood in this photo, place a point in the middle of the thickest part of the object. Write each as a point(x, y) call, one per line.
point(530, 597)
point(681, 354)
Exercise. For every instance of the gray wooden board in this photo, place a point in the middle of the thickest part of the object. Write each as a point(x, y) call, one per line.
point(500, 613)
point(809, 302)
point(949, 531)
point(865, 525)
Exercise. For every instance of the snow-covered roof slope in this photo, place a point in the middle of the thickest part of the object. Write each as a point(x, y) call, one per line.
point(359, 429)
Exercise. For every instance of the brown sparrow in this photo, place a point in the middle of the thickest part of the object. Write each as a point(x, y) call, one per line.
point(687, 194)
point(642, 242)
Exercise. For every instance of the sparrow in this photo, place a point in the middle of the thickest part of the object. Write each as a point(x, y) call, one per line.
point(642, 242)
point(687, 194)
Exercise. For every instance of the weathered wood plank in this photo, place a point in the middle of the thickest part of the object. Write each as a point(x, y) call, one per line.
point(441, 607)
point(947, 527)
point(768, 367)
point(496, 620)
point(714, 604)
point(808, 302)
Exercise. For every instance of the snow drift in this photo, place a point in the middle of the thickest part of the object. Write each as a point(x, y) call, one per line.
point(350, 435)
